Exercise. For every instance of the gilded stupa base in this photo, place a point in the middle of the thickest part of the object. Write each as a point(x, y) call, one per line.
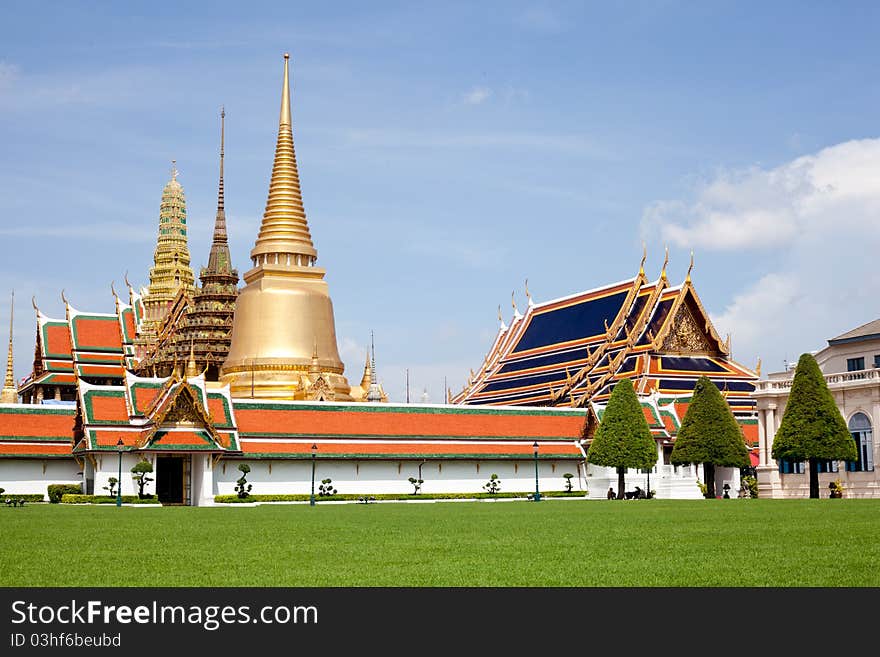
point(267, 382)
point(284, 339)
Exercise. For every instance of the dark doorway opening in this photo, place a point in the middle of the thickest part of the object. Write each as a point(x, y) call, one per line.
point(169, 479)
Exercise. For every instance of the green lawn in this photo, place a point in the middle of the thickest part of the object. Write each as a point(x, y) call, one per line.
point(679, 543)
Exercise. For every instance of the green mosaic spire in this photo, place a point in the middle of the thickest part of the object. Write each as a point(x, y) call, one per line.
point(171, 271)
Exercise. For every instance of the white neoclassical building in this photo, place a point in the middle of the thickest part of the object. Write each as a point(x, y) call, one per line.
point(851, 365)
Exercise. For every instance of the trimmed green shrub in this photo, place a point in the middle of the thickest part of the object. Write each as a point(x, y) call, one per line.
point(709, 434)
point(242, 487)
point(623, 439)
point(111, 486)
point(326, 488)
point(349, 497)
point(567, 476)
point(493, 485)
point(105, 499)
point(57, 490)
point(812, 427)
point(139, 474)
point(27, 497)
point(417, 484)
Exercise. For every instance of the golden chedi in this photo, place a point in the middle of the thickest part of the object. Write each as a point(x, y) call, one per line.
point(283, 342)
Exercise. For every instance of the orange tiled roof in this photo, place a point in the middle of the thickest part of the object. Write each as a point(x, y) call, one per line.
point(96, 333)
point(57, 340)
point(559, 450)
point(26, 423)
point(47, 449)
point(270, 419)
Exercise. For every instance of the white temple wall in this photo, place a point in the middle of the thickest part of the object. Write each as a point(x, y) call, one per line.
point(32, 476)
point(285, 477)
point(289, 476)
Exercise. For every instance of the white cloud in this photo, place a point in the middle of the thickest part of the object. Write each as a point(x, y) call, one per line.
point(805, 199)
point(477, 96)
point(805, 234)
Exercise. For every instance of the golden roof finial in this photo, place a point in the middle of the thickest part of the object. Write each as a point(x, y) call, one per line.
point(516, 312)
point(644, 257)
point(284, 229)
point(315, 368)
point(690, 269)
point(34, 303)
point(192, 369)
point(64, 298)
point(9, 394)
point(665, 262)
point(529, 296)
point(758, 367)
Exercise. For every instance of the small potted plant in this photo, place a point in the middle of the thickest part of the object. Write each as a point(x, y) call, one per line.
point(836, 488)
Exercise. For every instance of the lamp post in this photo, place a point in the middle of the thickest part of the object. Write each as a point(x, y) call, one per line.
point(314, 453)
point(119, 447)
point(537, 492)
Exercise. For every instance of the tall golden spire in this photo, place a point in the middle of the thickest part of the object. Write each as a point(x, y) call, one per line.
point(283, 329)
point(285, 232)
point(9, 394)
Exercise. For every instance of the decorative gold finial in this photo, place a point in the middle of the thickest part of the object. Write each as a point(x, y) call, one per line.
point(192, 369)
point(528, 295)
point(34, 303)
point(665, 262)
point(690, 269)
point(125, 278)
point(516, 312)
point(644, 257)
point(727, 344)
point(173, 169)
point(63, 298)
point(758, 367)
point(113, 289)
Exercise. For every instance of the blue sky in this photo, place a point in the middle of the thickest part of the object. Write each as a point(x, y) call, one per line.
point(448, 151)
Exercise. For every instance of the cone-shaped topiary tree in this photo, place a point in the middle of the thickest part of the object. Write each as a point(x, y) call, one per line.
point(709, 434)
point(623, 439)
point(812, 426)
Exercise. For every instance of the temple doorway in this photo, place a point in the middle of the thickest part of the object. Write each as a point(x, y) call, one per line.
point(171, 479)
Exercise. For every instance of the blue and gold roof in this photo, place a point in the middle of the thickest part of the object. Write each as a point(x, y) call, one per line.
point(571, 351)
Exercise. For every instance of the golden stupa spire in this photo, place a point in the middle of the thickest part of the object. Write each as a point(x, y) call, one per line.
point(285, 307)
point(9, 394)
point(284, 236)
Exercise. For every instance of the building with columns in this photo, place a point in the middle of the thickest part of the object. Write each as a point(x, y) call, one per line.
point(851, 365)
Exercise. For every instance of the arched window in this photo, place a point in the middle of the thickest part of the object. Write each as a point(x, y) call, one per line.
point(861, 431)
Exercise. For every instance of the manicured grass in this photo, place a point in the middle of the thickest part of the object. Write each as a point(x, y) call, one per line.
point(583, 543)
